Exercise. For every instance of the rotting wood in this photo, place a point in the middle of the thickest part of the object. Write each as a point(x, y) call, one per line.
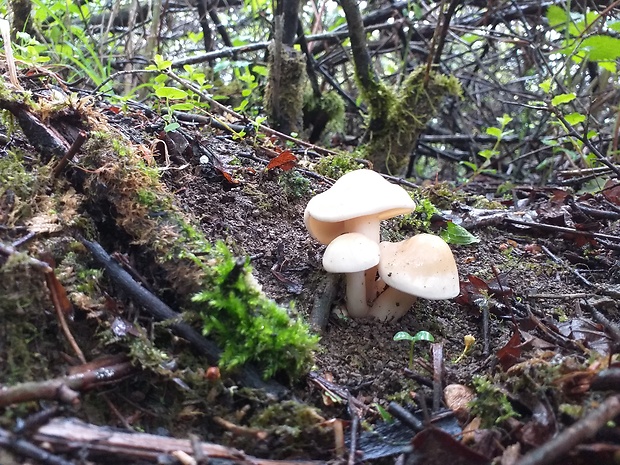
point(322, 306)
point(70, 434)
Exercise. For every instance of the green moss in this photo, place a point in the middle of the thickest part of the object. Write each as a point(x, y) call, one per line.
point(249, 326)
point(420, 219)
point(330, 104)
point(491, 403)
point(295, 185)
point(335, 166)
point(290, 91)
point(397, 119)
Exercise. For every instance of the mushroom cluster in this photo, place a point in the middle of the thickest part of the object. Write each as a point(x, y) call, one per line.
point(346, 218)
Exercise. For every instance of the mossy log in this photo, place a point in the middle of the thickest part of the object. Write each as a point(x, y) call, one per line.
point(114, 195)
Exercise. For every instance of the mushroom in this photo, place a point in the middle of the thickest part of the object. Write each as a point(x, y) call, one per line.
point(421, 266)
point(353, 254)
point(357, 202)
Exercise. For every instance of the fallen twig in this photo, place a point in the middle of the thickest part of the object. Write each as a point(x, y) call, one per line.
point(63, 388)
point(323, 301)
point(564, 229)
point(575, 434)
point(437, 351)
point(25, 448)
point(40, 265)
point(75, 435)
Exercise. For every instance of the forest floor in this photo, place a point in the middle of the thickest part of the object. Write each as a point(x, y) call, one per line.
point(534, 293)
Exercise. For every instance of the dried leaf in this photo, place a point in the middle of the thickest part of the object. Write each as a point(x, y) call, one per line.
point(611, 192)
point(511, 352)
point(285, 161)
point(59, 294)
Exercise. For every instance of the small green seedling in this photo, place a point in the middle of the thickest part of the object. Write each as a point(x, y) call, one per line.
point(419, 336)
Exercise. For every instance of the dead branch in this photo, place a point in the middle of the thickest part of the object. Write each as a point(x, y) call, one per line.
point(63, 388)
point(581, 431)
point(70, 434)
point(25, 448)
point(9, 250)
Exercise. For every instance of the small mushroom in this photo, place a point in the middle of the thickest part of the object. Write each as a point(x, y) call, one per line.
point(353, 254)
point(357, 202)
point(421, 266)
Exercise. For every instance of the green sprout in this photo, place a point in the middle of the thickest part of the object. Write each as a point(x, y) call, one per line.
point(419, 336)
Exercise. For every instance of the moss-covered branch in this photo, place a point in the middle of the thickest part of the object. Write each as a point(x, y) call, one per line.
point(395, 118)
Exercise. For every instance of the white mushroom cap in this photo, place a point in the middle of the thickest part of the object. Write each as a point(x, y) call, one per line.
point(422, 265)
point(363, 194)
point(353, 254)
point(350, 253)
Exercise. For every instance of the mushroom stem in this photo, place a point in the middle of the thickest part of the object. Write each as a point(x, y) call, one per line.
point(392, 304)
point(371, 284)
point(367, 225)
point(356, 294)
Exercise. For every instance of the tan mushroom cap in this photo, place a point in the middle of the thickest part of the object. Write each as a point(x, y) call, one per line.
point(422, 265)
point(360, 193)
point(350, 253)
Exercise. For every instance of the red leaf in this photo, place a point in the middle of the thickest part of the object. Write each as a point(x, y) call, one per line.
point(228, 178)
point(285, 161)
point(511, 352)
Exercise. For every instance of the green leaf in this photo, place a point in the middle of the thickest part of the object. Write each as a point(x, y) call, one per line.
point(546, 85)
point(172, 127)
point(161, 63)
point(609, 66)
point(170, 93)
point(575, 118)
point(403, 336)
point(182, 106)
point(504, 120)
point(563, 98)
point(260, 70)
point(488, 154)
point(601, 47)
point(495, 132)
point(385, 415)
point(423, 336)
point(455, 234)
point(614, 25)
point(470, 38)
point(557, 16)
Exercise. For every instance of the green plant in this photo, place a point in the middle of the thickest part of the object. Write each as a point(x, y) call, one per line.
point(67, 44)
point(458, 235)
point(499, 132)
point(491, 403)
point(419, 336)
point(248, 325)
point(335, 166)
point(295, 186)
